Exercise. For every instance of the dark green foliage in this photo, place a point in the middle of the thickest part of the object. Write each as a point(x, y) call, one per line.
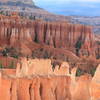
point(1, 66)
point(79, 72)
point(5, 52)
point(78, 44)
point(1, 12)
point(12, 52)
point(92, 71)
point(32, 17)
point(15, 56)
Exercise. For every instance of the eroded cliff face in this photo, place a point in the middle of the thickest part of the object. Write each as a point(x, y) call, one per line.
point(95, 84)
point(34, 80)
point(35, 88)
point(41, 84)
point(40, 67)
point(18, 32)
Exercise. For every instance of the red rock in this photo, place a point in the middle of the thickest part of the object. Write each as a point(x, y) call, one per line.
point(23, 88)
point(44, 85)
point(14, 95)
point(18, 32)
point(35, 88)
point(9, 71)
point(5, 88)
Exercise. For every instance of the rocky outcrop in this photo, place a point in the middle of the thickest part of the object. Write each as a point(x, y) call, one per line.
point(97, 45)
point(95, 85)
point(77, 38)
point(35, 88)
point(81, 88)
point(30, 83)
point(40, 67)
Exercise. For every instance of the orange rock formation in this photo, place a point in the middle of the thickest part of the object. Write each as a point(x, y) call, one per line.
point(95, 85)
point(39, 79)
point(40, 67)
point(30, 83)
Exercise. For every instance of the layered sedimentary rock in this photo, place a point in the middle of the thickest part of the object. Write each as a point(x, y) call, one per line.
point(40, 67)
point(77, 38)
point(35, 88)
point(97, 39)
point(46, 85)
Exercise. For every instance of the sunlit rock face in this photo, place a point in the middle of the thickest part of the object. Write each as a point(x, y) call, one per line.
point(34, 67)
point(33, 83)
point(95, 85)
point(35, 88)
point(81, 90)
point(21, 32)
point(41, 82)
point(40, 67)
point(36, 80)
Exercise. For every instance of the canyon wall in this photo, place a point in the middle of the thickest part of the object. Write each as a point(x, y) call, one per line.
point(31, 82)
point(35, 88)
point(40, 67)
point(15, 31)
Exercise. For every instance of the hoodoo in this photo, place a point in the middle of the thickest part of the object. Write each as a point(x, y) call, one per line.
point(44, 56)
point(36, 80)
point(77, 38)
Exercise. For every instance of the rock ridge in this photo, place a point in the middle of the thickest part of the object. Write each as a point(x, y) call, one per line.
point(77, 38)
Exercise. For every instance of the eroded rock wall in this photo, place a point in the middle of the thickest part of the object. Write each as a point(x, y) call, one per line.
point(44, 85)
point(77, 38)
point(40, 67)
point(35, 88)
point(95, 85)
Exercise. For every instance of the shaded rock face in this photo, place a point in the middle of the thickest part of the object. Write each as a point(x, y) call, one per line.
point(77, 38)
point(97, 38)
